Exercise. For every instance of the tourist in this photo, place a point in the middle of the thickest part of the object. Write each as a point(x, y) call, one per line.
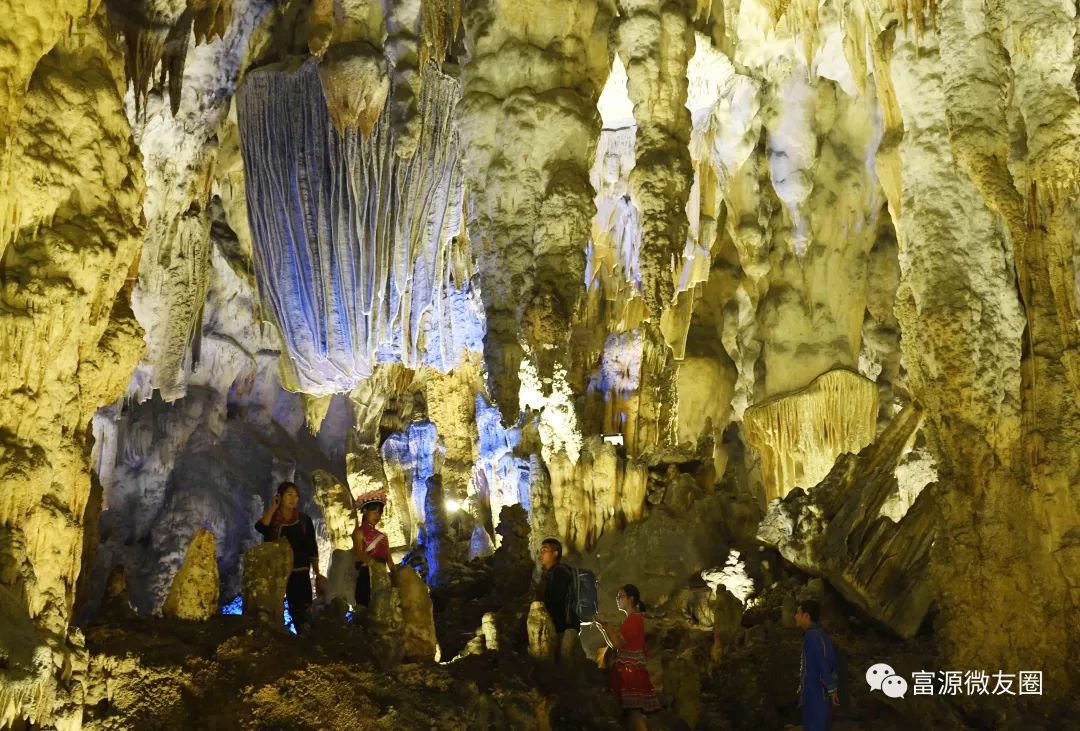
point(817, 672)
point(369, 543)
point(629, 678)
point(284, 520)
point(556, 587)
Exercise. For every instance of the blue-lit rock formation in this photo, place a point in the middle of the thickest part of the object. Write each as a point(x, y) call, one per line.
point(352, 243)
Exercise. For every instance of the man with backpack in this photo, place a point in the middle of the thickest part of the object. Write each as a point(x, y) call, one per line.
point(556, 588)
point(817, 677)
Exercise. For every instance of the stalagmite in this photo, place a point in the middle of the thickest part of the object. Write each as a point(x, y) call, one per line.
point(194, 592)
point(385, 618)
point(335, 502)
point(418, 627)
point(543, 642)
point(266, 571)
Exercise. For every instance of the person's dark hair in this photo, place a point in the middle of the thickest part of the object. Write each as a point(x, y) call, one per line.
point(811, 607)
point(285, 486)
point(632, 591)
point(555, 544)
point(281, 490)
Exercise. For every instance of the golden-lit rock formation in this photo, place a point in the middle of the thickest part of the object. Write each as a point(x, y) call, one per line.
point(194, 591)
point(71, 187)
point(799, 436)
point(528, 125)
point(651, 278)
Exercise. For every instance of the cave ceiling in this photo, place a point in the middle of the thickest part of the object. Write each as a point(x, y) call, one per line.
point(563, 254)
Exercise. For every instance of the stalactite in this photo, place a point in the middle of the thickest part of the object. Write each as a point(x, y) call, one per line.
point(403, 28)
point(355, 84)
point(915, 13)
point(360, 272)
point(799, 436)
point(153, 34)
point(172, 289)
point(528, 123)
point(656, 41)
point(599, 492)
point(211, 19)
point(440, 22)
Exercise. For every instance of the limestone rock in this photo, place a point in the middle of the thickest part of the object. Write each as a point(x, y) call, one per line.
point(543, 640)
point(837, 531)
point(800, 435)
point(570, 654)
point(489, 631)
point(513, 560)
point(266, 572)
point(355, 84)
point(418, 624)
point(682, 681)
point(341, 577)
point(727, 613)
point(194, 592)
point(338, 511)
point(116, 603)
point(385, 619)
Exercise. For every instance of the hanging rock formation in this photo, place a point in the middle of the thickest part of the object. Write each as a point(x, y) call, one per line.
point(528, 125)
point(800, 436)
point(344, 292)
point(656, 41)
point(836, 530)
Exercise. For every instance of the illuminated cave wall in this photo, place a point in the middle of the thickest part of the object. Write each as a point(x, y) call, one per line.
point(472, 239)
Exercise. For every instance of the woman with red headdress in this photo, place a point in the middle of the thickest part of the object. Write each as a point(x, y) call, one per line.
point(284, 520)
point(369, 543)
point(629, 679)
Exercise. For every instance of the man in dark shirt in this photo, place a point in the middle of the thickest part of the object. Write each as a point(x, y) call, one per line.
point(817, 676)
point(556, 587)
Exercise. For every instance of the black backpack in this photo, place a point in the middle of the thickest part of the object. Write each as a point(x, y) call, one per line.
point(582, 603)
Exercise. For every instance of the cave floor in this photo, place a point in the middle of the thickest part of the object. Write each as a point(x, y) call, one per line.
point(229, 673)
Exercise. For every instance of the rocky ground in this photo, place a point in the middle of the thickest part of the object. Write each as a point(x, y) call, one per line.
point(230, 673)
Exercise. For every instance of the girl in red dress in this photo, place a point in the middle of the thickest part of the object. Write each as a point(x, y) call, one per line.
point(629, 678)
point(370, 544)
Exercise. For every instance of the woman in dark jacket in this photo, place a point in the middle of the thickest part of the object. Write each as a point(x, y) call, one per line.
point(284, 520)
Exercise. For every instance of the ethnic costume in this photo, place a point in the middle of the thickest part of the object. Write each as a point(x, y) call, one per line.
point(300, 533)
point(376, 544)
point(818, 679)
point(629, 678)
